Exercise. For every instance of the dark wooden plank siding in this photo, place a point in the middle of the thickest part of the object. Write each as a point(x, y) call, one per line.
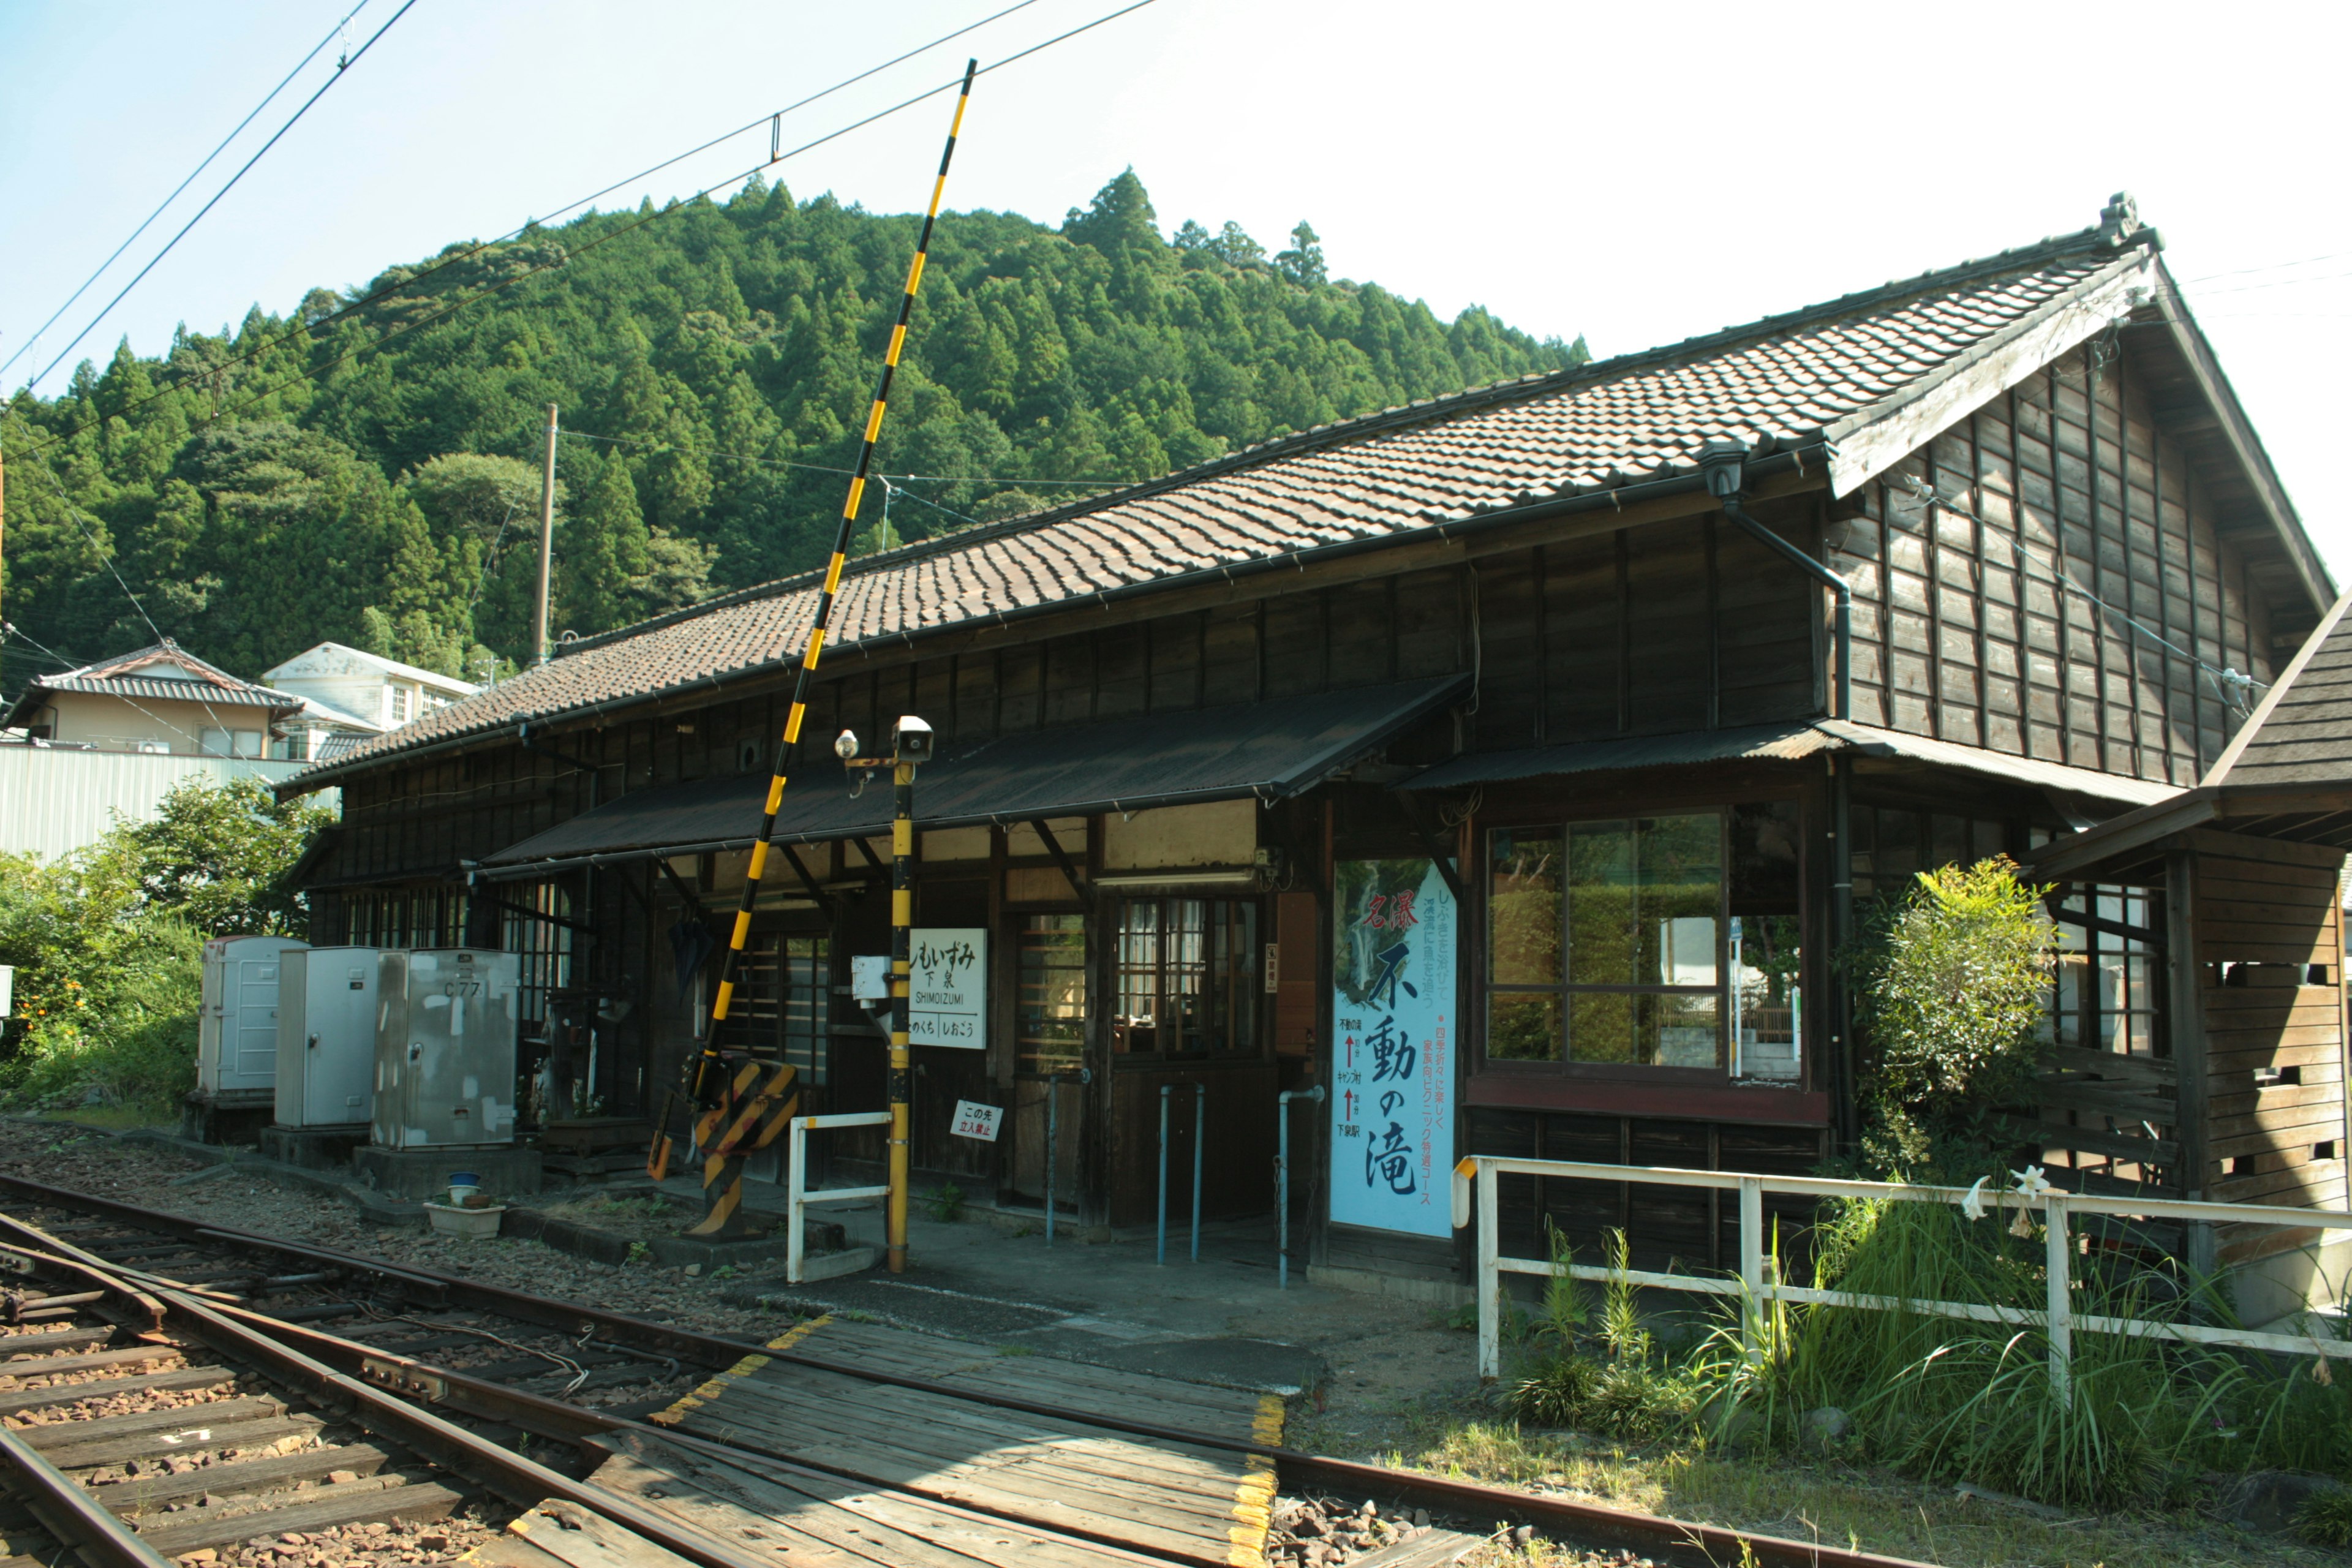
point(1965, 635)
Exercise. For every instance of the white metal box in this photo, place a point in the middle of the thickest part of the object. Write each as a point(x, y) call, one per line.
point(444, 1048)
point(326, 1036)
point(236, 1025)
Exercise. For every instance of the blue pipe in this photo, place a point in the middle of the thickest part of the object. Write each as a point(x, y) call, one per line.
point(1282, 1178)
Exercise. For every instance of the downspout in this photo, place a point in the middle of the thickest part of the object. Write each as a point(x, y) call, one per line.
point(1721, 464)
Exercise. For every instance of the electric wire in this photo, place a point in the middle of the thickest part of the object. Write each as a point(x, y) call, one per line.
point(310, 329)
point(82, 521)
point(2226, 681)
point(631, 227)
point(9, 629)
point(332, 33)
point(342, 67)
point(655, 449)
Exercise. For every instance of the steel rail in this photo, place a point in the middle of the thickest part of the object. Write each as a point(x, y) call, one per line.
point(67, 1511)
point(1588, 1525)
point(1702, 1546)
point(520, 1480)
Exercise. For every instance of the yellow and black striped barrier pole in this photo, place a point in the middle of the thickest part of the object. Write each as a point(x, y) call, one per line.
point(710, 1081)
point(902, 954)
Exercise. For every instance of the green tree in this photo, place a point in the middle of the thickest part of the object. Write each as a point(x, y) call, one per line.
point(218, 858)
point(721, 360)
point(1303, 263)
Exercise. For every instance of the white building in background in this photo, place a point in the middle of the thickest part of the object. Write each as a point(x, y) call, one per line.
point(87, 747)
point(348, 695)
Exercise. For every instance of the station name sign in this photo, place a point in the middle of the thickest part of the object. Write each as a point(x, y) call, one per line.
point(947, 990)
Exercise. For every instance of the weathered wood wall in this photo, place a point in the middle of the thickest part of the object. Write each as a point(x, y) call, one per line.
point(2269, 970)
point(1961, 631)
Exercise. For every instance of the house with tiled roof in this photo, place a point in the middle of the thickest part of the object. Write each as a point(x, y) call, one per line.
point(160, 699)
point(1507, 766)
point(104, 742)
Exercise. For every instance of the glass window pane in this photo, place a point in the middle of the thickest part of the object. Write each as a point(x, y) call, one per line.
point(1050, 994)
point(1139, 959)
point(1766, 998)
point(1523, 1026)
point(1523, 909)
point(1600, 904)
point(1680, 862)
point(1764, 857)
point(1601, 1027)
point(1682, 1030)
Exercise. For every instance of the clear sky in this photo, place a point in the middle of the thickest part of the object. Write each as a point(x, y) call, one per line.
point(1635, 174)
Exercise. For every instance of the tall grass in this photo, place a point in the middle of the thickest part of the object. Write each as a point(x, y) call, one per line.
point(1959, 1400)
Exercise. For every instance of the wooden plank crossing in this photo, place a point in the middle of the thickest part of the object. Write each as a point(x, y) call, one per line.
point(1170, 1501)
point(805, 1519)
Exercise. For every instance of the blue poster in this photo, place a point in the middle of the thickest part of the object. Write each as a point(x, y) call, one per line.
point(1392, 1037)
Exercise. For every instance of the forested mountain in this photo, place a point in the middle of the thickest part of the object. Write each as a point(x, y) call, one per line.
point(713, 366)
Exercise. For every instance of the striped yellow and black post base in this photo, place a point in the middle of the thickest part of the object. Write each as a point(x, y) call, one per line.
point(708, 1082)
point(761, 1101)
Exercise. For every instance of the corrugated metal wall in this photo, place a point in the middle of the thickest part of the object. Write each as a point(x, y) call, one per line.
point(53, 802)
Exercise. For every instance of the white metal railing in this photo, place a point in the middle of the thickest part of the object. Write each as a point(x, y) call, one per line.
point(796, 1180)
point(1477, 1182)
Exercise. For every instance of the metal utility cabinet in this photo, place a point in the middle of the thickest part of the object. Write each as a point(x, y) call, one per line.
point(236, 1028)
point(326, 1036)
point(444, 1049)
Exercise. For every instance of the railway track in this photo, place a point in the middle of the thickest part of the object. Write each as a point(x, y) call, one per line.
point(432, 1382)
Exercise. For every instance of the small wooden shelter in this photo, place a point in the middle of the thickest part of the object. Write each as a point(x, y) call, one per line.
point(2231, 893)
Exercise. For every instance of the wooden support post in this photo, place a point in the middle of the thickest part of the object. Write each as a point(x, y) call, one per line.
point(1752, 1265)
point(2058, 1271)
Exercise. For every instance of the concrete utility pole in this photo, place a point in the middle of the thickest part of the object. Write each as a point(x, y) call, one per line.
point(546, 544)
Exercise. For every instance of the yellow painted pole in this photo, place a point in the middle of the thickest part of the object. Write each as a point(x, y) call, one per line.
point(902, 1075)
point(708, 1081)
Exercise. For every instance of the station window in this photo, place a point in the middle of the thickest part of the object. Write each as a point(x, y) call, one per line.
point(545, 946)
point(1050, 994)
point(1184, 970)
point(2110, 969)
point(1656, 942)
point(783, 1004)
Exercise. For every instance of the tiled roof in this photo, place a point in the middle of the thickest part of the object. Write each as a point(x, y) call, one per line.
point(2301, 736)
point(154, 689)
point(1790, 381)
point(117, 677)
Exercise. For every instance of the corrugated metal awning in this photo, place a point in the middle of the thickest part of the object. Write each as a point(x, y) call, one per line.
point(1776, 743)
point(1783, 742)
point(2032, 772)
point(1269, 750)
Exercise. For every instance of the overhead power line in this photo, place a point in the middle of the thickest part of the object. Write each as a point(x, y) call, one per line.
point(343, 66)
point(458, 258)
point(654, 448)
point(610, 235)
point(332, 34)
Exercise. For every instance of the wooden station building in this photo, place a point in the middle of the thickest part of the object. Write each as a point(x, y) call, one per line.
point(1470, 760)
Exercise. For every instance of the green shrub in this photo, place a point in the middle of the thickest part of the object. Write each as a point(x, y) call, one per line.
point(2326, 1519)
point(1557, 1392)
point(1950, 984)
